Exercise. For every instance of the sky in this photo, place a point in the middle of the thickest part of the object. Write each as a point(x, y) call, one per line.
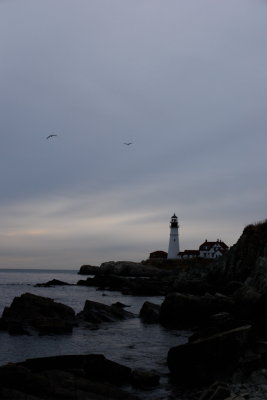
point(184, 80)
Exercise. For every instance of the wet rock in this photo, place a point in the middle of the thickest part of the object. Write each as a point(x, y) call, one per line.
point(149, 313)
point(95, 312)
point(207, 360)
point(31, 312)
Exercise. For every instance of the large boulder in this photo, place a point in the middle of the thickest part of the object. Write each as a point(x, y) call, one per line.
point(30, 312)
point(206, 360)
point(69, 377)
point(95, 367)
point(88, 270)
point(95, 312)
point(149, 312)
point(188, 311)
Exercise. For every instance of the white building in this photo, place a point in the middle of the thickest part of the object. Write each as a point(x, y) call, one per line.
point(174, 247)
point(212, 249)
point(207, 249)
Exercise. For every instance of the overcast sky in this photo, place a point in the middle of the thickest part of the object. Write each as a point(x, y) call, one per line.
point(184, 80)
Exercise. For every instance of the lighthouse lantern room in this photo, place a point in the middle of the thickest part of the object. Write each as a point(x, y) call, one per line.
point(174, 247)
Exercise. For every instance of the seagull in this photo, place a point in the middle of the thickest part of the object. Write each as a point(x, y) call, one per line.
point(50, 136)
point(128, 144)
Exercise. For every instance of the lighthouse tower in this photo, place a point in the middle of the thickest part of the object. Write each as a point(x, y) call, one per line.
point(174, 247)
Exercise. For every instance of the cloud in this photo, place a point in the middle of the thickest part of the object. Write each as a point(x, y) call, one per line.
point(185, 83)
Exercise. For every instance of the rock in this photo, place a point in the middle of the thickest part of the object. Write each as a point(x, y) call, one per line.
point(141, 286)
point(119, 305)
point(207, 360)
point(65, 377)
point(217, 323)
point(144, 379)
point(88, 270)
point(244, 261)
point(217, 391)
point(95, 312)
point(187, 311)
point(149, 312)
point(246, 301)
point(191, 285)
point(130, 269)
point(97, 367)
point(94, 366)
point(53, 282)
point(30, 312)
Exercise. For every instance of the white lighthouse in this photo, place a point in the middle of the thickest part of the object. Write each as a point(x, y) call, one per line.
point(174, 247)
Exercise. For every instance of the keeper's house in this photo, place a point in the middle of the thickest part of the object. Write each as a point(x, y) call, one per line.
point(207, 249)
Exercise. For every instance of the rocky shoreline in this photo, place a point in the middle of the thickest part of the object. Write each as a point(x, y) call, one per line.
point(224, 303)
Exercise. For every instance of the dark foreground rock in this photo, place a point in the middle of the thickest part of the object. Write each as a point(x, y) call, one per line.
point(29, 313)
point(206, 360)
point(95, 312)
point(217, 391)
point(72, 377)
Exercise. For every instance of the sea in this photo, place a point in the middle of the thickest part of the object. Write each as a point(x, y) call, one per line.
point(130, 342)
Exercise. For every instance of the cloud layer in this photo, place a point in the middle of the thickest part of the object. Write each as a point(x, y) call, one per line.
point(184, 81)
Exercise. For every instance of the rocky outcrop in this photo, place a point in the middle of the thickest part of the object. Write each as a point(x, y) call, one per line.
point(206, 360)
point(141, 286)
point(29, 313)
point(53, 282)
point(146, 280)
point(258, 277)
point(65, 377)
point(188, 311)
point(95, 312)
point(130, 269)
point(246, 260)
point(88, 270)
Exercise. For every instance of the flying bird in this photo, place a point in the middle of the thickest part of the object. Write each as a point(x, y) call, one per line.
point(128, 144)
point(50, 136)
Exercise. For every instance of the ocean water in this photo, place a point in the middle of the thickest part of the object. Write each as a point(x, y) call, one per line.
point(129, 342)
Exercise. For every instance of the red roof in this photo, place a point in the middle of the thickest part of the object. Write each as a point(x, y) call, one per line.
point(158, 254)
